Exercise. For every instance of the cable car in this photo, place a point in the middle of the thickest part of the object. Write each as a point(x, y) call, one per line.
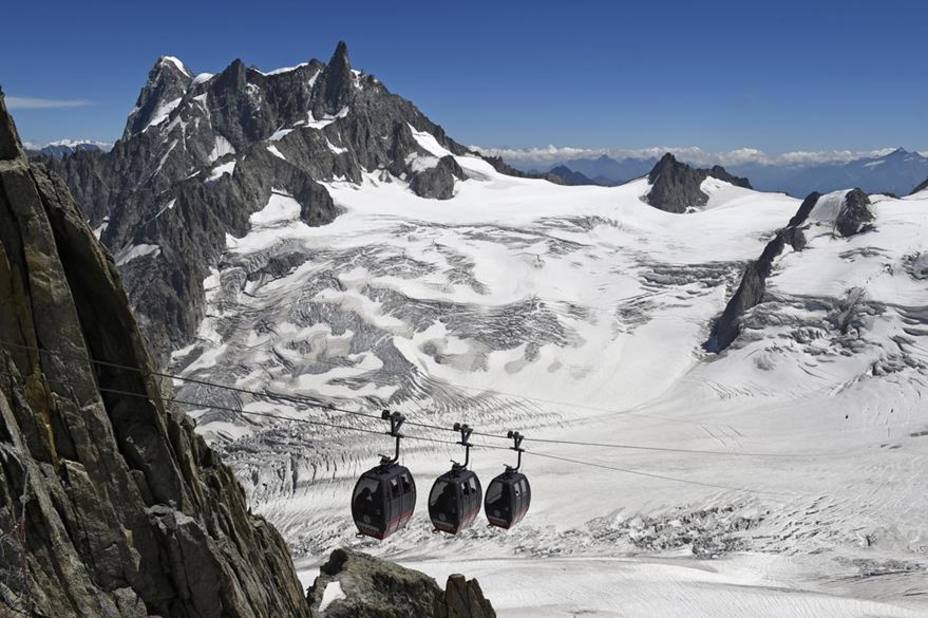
point(509, 494)
point(384, 497)
point(456, 495)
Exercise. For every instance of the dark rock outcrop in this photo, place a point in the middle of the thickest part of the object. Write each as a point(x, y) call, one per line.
point(161, 185)
point(804, 209)
point(921, 187)
point(717, 171)
point(675, 186)
point(750, 292)
point(855, 214)
point(110, 503)
point(853, 217)
point(438, 182)
point(361, 586)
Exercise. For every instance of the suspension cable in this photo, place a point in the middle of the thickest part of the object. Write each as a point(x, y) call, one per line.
point(313, 403)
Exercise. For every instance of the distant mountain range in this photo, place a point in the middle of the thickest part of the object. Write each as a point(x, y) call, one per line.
point(63, 148)
point(897, 172)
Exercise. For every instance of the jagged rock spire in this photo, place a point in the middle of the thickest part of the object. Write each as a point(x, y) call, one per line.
point(10, 145)
point(337, 80)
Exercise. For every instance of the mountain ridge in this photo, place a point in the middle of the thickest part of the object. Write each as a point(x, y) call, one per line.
point(896, 171)
point(201, 153)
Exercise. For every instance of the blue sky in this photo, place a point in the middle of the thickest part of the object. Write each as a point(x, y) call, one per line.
point(777, 76)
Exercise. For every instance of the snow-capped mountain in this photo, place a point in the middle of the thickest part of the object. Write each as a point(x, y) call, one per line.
point(896, 172)
point(756, 363)
point(201, 152)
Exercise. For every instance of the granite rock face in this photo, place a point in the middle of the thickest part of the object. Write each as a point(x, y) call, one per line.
point(356, 585)
point(127, 512)
point(201, 153)
point(675, 186)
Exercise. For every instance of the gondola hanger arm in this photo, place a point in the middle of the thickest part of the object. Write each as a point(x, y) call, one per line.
point(396, 423)
point(466, 431)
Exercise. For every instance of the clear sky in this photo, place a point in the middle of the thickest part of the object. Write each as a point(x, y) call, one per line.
point(778, 76)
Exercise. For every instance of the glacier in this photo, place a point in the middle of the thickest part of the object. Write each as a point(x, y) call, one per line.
point(794, 477)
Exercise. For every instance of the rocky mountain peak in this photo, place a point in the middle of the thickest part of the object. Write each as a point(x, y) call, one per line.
point(667, 164)
point(675, 186)
point(167, 83)
point(337, 82)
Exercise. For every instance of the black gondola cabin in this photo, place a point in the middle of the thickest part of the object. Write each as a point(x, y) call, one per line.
point(384, 500)
point(508, 498)
point(455, 500)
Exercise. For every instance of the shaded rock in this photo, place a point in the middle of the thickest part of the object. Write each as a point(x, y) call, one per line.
point(437, 182)
point(10, 146)
point(464, 599)
point(127, 511)
point(750, 292)
point(675, 186)
point(804, 209)
point(794, 237)
point(354, 584)
point(921, 187)
point(336, 81)
point(855, 213)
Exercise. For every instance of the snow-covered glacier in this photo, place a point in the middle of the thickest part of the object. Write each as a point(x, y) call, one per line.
point(792, 476)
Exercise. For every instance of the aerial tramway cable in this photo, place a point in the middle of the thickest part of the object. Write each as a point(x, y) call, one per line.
point(313, 403)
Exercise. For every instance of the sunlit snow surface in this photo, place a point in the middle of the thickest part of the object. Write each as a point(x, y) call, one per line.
point(577, 313)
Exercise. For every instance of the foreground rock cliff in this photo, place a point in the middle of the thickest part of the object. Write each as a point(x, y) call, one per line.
point(127, 512)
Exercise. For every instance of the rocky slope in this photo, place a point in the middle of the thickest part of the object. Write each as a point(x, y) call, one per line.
point(110, 504)
point(201, 153)
point(846, 212)
point(920, 187)
point(675, 186)
point(355, 585)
